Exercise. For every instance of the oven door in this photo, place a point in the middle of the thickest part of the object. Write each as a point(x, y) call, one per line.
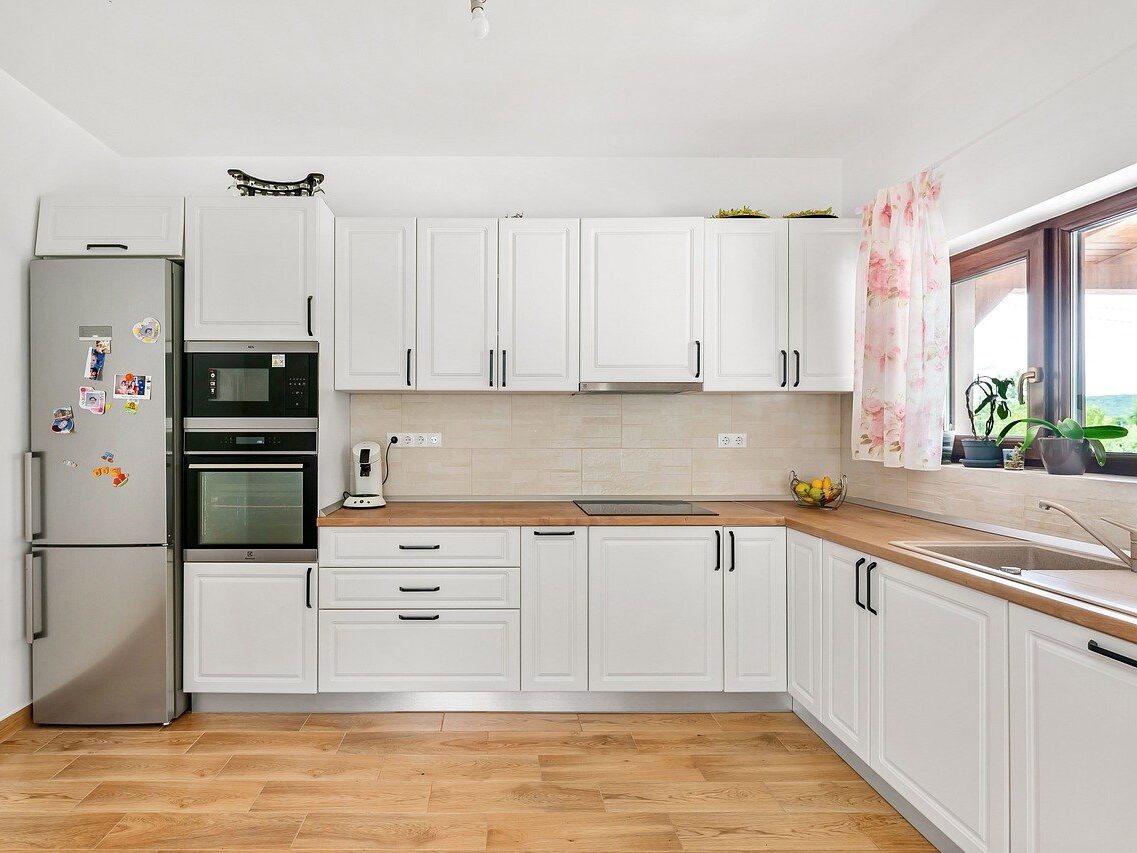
point(250, 507)
point(236, 385)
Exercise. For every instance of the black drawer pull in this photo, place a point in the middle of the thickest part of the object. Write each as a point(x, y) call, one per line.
point(122, 246)
point(730, 534)
point(408, 367)
point(308, 588)
point(868, 588)
point(1117, 656)
point(857, 583)
point(718, 550)
point(417, 618)
point(419, 547)
point(554, 532)
point(419, 588)
point(310, 298)
point(785, 368)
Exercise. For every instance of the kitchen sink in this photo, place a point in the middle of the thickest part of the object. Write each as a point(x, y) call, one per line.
point(1011, 558)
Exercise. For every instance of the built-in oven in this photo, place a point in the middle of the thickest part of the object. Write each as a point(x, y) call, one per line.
point(238, 381)
point(250, 495)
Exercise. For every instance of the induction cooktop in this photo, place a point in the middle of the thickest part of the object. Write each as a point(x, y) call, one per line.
point(642, 508)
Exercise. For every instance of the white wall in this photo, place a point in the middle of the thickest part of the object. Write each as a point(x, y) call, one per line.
point(41, 152)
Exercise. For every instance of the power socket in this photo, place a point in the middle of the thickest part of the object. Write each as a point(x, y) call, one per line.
point(732, 439)
point(416, 439)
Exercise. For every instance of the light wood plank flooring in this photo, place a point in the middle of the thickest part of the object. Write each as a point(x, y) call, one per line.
point(447, 782)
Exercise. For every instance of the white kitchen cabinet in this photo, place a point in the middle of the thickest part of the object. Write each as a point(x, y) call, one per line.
point(420, 547)
point(803, 612)
point(746, 302)
point(255, 267)
point(754, 609)
point(457, 305)
point(641, 300)
point(554, 608)
point(375, 304)
point(455, 588)
point(1072, 744)
point(118, 226)
point(250, 628)
point(538, 337)
point(372, 651)
point(939, 702)
point(845, 657)
point(822, 296)
point(655, 608)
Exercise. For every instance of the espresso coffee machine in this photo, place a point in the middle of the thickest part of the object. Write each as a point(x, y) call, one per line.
point(366, 476)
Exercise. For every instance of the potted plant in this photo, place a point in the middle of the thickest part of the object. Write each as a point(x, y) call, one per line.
point(982, 451)
point(1066, 450)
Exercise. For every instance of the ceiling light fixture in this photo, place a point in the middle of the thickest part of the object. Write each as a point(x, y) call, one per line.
point(478, 20)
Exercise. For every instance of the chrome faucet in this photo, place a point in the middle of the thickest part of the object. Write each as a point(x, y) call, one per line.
point(1129, 560)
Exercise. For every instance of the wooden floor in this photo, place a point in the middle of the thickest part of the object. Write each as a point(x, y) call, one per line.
point(425, 781)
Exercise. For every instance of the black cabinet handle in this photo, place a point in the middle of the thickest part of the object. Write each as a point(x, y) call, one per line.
point(419, 547)
point(310, 298)
point(554, 532)
point(403, 618)
point(308, 589)
point(420, 589)
point(698, 359)
point(1117, 656)
point(730, 533)
point(122, 246)
point(797, 368)
point(491, 368)
point(785, 368)
point(504, 375)
point(408, 367)
point(857, 588)
point(868, 588)
point(718, 550)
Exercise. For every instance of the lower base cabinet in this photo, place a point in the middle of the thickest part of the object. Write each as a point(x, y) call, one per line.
point(250, 628)
point(372, 651)
point(1073, 750)
point(554, 608)
point(803, 611)
point(754, 609)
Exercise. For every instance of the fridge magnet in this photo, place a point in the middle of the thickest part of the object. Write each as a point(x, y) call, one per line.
point(63, 419)
point(100, 471)
point(92, 400)
point(147, 330)
point(130, 407)
point(118, 477)
point(93, 369)
point(277, 359)
point(108, 457)
point(130, 386)
point(70, 463)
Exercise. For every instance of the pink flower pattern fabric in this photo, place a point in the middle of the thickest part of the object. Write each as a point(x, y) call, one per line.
point(903, 328)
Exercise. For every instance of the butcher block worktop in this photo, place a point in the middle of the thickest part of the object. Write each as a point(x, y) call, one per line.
point(1108, 605)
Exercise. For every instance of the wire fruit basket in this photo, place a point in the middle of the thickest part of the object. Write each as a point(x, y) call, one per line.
point(821, 493)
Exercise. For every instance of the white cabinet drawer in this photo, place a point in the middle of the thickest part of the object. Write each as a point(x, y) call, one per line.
point(444, 547)
point(88, 226)
point(455, 588)
point(371, 651)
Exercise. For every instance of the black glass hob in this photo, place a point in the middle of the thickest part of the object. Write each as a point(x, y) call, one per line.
point(642, 508)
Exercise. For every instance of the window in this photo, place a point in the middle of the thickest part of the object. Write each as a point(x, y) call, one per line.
point(1060, 299)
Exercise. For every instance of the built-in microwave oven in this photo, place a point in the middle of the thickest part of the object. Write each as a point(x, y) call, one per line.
point(250, 380)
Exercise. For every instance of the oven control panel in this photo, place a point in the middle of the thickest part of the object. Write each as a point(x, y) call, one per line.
point(249, 442)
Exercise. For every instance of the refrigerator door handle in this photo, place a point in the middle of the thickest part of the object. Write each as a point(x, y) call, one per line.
point(33, 598)
point(33, 496)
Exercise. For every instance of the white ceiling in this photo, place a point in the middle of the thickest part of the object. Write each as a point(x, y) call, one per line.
point(554, 77)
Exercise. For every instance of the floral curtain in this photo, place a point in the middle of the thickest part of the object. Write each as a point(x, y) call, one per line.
point(903, 328)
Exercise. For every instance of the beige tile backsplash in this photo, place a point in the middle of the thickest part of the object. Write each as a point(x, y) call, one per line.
point(635, 444)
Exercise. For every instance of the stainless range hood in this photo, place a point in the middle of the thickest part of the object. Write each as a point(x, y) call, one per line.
point(639, 387)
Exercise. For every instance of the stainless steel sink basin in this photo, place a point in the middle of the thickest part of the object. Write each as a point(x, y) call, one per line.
point(1012, 558)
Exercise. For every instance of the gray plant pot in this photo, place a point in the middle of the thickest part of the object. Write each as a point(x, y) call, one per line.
point(981, 453)
point(1063, 455)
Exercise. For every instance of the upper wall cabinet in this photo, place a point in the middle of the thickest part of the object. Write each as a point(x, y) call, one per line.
point(254, 268)
point(641, 300)
point(88, 226)
point(539, 304)
point(457, 304)
point(375, 304)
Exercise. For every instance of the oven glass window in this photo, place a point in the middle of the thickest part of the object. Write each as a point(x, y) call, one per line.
point(250, 508)
point(239, 384)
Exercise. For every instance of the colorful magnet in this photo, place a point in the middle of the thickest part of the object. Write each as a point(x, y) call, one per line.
point(93, 368)
point(147, 330)
point(63, 419)
point(119, 478)
point(92, 400)
point(70, 463)
point(130, 386)
point(108, 456)
point(130, 407)
point(100, 471)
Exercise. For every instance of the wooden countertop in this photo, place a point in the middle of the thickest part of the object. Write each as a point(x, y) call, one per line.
point(1102, 601)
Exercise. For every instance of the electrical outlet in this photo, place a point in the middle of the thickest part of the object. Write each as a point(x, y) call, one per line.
point(405, 439)
point(732, 439)
point(724, 439)
point(434, 439)
point(420, 439)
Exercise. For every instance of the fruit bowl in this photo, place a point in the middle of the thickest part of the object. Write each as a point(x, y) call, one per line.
point(819, 493)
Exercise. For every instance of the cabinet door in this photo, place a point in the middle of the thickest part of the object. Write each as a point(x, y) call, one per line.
point(746, 292)
point(939, 702)
point(250, 628)
point(539, 304)
point(803, 610)
point(375, 304)
point(754, 609)
point(822, 297)
point(90, 226)
point(655, 608)
point(554, 608)
point(1072, 744)
point(845, 647)
point(252, 266)
point(641, 300)
point(457, 304)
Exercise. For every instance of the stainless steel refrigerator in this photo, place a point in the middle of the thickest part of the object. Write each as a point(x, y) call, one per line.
point(101, 487)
